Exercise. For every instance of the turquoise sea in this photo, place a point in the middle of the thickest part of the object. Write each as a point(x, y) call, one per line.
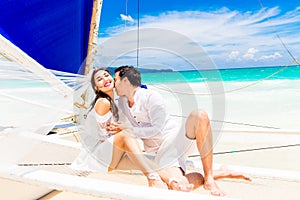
point(194, 76)
point(273, 102)
point(237, 74)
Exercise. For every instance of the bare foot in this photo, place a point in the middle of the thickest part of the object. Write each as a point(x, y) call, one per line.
point(180, 185)
point(157, 184)
point(228, 173)
point(213, 187)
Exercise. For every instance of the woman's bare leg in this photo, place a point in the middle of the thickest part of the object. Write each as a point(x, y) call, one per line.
point(225, 172)
point(130, 146)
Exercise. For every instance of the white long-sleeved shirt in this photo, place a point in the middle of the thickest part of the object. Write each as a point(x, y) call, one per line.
point(149, 118)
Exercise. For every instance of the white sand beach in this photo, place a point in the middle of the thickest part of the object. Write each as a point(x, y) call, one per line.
point(268, 154)
point(274, 104)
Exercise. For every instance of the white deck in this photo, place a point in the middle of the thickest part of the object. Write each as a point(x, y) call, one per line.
point(277, 181)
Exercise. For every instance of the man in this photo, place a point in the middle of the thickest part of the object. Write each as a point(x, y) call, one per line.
point(146, 111)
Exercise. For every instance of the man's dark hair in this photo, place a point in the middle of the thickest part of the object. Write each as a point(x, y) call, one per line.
point(132, 74)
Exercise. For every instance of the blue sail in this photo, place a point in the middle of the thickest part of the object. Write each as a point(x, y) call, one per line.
point(54, 33)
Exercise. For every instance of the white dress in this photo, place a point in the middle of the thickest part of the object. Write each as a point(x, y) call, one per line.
point(97, 143)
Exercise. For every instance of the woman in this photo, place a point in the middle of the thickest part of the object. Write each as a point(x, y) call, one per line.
point(106, 148)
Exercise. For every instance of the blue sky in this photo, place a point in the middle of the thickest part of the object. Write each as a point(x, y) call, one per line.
point(233, 33)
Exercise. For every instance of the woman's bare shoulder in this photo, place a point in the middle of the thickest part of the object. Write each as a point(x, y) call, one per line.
point(102, 106)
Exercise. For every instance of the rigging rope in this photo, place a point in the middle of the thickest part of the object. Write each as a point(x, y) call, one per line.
point(138, 29)
point(126, 11)
point(237, 123)
point(43, 164)
point(138, 36)
point(252, 149)
point(277, 35)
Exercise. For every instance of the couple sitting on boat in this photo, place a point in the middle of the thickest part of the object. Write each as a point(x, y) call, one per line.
point(112, 140)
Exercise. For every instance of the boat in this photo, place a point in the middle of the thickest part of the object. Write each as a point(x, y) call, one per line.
point(35, 164)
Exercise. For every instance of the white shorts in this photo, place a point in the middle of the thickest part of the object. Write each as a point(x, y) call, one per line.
point(173, 151)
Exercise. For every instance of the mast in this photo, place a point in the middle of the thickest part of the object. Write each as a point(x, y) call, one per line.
point(92, 45)
point(93, 36)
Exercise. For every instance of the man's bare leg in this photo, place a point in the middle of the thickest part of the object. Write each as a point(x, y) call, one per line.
point(198, 126)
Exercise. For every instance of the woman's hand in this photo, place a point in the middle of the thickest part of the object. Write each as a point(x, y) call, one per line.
point(115, 128)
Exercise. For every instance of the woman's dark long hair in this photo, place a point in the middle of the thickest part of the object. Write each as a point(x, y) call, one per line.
point(100, 94)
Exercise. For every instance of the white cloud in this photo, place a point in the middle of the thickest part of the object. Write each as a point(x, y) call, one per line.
point(250, 54)
point(224, 33)
point(234, 55)
point(126, 18)
point(273, 56)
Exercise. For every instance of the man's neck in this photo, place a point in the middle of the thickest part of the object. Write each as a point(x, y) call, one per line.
point(130, 96)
